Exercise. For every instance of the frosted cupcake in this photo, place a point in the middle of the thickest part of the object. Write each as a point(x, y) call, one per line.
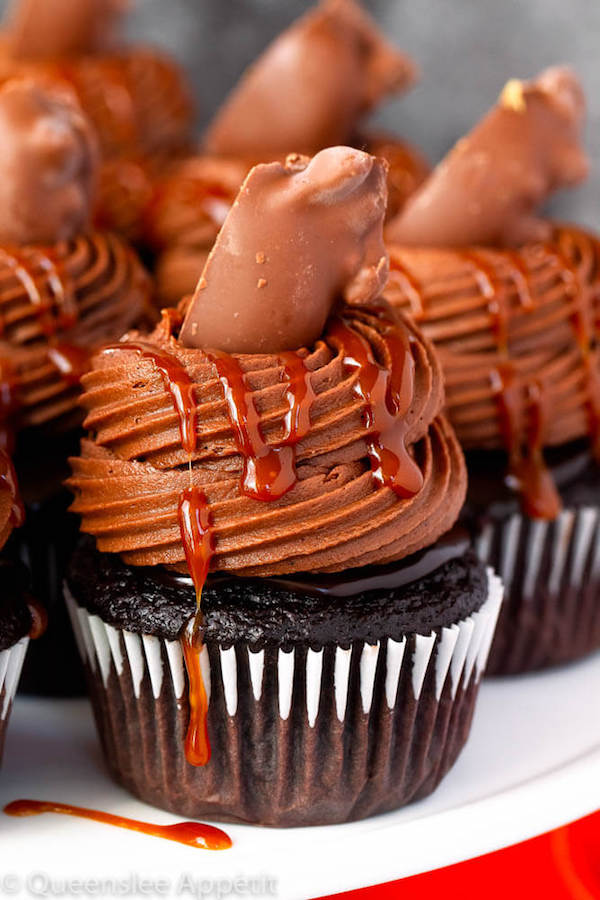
point(64, 289)
point(278, 623)
point(511, 301)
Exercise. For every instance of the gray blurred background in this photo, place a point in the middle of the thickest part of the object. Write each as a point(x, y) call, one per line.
point(466, 50)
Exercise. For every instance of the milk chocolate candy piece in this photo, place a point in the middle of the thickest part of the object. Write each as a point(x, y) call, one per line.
point(39, 29)
point(488, 188)
point(299, 237)
point(48, 164)
point(311, 86)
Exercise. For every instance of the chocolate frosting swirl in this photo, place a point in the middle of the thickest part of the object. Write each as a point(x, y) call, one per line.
point(533, 309)
point(56, 304)
point(133, 467)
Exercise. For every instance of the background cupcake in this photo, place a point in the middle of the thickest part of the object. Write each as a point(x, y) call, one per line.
point(327, 692)
point(136, 97)
point(64, 288)
point(511, 301)
point(311, 88)
point(20, 618)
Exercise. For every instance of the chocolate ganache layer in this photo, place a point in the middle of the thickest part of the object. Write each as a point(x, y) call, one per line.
point(130, 475)
point(430, 590)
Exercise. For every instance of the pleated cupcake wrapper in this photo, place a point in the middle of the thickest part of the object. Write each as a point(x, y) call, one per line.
point(551, 576)
point(45, 544)
point(299, 736)
point(11, 663)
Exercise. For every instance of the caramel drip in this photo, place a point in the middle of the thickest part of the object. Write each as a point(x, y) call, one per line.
point(196, 534)
point(518, 403)
point(520, 278)
point(493, 291)
point(410, 287)
point(52, 298)
point(46, 294)
point(197, 741)
point(585, 337)
point(269, 471)
point(8, 485)
point(387, 392)
point(192, 834)
point(525, 450)
point(176, 380)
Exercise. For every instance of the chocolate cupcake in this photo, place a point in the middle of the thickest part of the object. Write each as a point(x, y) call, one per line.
point(310, 89)
point(64, 289)
point(136, 97)
point(20, 618)
point(270, 573)
point(511, 301)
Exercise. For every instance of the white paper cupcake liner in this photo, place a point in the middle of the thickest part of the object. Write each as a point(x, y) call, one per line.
point(11, 663)
point(305, 736)
point(551, 576)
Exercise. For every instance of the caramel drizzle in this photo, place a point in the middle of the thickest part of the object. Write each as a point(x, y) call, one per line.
point(492, 290)
point(387, 394)
point(522, 400)
point(585, 336)
point(269, 470)
point(195, 525)
point(176, 381)
point(53, 292)
point(47, 292)
point(192, 834)
point(522, 403)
